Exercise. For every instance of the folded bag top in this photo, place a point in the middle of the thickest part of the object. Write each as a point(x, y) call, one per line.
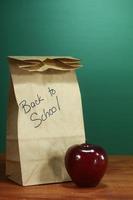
point(43, 63)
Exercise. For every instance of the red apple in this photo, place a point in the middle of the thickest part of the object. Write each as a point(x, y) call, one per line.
point(86, 164)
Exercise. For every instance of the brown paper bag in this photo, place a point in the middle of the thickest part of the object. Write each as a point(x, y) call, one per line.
point(44, 118)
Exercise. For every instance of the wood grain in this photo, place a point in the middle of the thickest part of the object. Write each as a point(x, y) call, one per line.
point(117, 184)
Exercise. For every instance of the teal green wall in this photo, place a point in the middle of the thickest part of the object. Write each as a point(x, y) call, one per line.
point(100, 32)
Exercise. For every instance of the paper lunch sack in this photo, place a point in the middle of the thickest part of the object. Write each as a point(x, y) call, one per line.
point(44, 118)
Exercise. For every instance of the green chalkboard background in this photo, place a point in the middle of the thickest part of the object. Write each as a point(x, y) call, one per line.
point(100, 33)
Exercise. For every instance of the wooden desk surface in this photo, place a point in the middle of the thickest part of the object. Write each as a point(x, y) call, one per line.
point(117, 184)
